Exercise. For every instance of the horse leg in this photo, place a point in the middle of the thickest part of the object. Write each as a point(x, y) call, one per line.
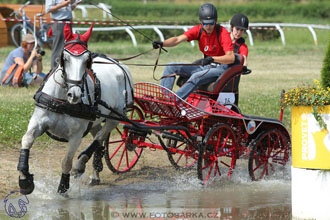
point(99, 152)
point(84, 156)
point(25, 180)
point(97, 164)
point(79, 167)
point(97, 148)
point(67, 164)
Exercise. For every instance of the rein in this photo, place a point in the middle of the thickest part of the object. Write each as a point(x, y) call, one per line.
point(154, 65)
point(139, 64)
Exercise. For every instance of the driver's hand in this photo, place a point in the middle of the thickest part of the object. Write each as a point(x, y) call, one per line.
point(157, 44)
point(207, 60)
point(245, 69)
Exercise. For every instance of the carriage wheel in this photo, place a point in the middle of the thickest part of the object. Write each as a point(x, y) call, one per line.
point(217, 155)
point(121, 154)
point(270, 151)
point(184, 160)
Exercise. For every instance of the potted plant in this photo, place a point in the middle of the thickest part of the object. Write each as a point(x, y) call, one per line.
point(315, 96)
point(310, 172)
point(310, 114)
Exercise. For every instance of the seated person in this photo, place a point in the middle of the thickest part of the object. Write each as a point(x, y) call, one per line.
point(27, 57)
point(238, 25)
point(216, 45)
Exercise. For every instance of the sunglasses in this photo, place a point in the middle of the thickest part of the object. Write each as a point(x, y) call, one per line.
point(212, 23)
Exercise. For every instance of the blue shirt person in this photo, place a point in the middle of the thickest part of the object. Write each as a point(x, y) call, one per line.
point(29, 58)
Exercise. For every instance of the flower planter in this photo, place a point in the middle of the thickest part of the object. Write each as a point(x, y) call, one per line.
point(310, 143)
point(310, 164)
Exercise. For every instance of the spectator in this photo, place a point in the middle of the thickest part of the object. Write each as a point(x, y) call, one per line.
point(61, 10)
point(238, 25)
point(214, 42)
point(28, 57)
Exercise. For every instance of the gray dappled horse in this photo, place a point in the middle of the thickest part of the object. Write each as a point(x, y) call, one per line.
point(72, 101)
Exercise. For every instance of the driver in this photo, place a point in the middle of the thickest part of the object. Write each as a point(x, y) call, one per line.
point(214, 42)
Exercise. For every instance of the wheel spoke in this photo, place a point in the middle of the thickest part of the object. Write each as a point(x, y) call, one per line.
point(115, 142)
point(226, 152)
point(114, 153)
point(127, 161)
point(269, 146)
point(207, 165)
point(227, 165)
point(263, 171)
point(121, 157)
point(209, 173)
point(262, 149)
point(119, 131)
point(217, 168)
point(179, 158)
point(218, 142)
point(271, 167)
point(225, 142)
point(257, 167)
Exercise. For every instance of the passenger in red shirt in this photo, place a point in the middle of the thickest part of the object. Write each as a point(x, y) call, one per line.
point(238, 25)
point(218, 53)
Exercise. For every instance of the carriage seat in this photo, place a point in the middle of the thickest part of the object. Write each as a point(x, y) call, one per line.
point(225, 88)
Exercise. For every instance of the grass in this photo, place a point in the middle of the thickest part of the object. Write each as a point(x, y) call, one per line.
point(275, 67)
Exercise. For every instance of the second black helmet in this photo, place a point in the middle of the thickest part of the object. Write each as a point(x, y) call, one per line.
point(207, 13)
point(240, 21)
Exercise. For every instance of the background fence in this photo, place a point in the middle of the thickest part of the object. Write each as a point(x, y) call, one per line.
point(109, 24)
point(157, 28)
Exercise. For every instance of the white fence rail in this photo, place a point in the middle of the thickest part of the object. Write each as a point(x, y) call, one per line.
point(106, 10)
point(157, 29)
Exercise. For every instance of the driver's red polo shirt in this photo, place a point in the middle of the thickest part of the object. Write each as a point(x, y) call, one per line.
point(208, 44)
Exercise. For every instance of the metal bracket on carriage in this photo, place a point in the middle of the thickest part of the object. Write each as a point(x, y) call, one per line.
point(141, 131)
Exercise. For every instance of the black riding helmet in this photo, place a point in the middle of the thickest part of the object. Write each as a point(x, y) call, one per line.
point(207, 13)
point(240, 21)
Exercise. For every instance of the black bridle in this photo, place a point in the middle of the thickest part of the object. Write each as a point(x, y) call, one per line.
point(79, 83)
point(69, 83)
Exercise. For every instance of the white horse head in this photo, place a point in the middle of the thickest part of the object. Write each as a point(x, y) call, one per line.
point(74, 61)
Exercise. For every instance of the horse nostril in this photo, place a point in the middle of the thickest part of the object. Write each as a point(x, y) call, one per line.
point(70, 95)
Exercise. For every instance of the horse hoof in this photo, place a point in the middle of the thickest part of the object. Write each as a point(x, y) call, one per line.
point(94, 182)
point(64, 184)
point(62, 190)
point(78, 173)
point(26, 185)
point(64, 195)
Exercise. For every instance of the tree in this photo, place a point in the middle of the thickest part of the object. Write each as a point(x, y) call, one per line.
point(325, 72)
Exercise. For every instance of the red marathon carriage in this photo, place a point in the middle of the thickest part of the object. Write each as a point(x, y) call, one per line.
point(199, 132)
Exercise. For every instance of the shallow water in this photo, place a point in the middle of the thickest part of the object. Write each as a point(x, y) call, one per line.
point(180, 196)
